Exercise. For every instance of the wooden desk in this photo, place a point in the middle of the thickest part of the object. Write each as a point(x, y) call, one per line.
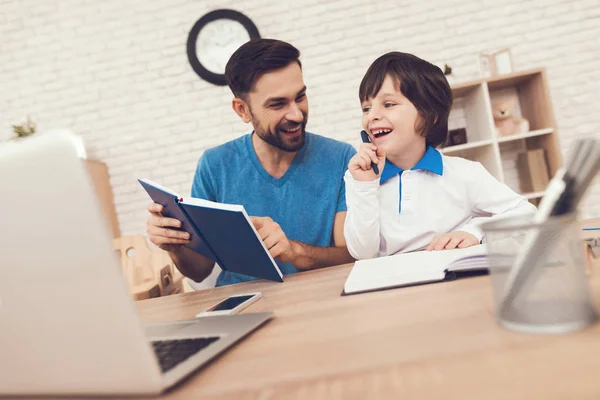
point(436, 341)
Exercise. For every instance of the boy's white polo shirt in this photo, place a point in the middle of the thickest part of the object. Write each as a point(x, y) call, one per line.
point(403, 210)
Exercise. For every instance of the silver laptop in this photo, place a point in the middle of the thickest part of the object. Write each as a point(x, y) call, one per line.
point(68, 324)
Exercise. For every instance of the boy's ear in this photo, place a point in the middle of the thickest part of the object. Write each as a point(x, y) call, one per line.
point(242, 109)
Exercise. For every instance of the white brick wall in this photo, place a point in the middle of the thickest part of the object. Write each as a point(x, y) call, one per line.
point(117, 72)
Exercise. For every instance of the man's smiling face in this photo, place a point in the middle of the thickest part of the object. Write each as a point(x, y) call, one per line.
point(279, 108)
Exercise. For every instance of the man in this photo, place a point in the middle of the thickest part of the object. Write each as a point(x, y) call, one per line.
point(290, 181)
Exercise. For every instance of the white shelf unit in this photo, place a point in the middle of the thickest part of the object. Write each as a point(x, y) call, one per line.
point(472, 107)
point(466, 146)
point(525, 135)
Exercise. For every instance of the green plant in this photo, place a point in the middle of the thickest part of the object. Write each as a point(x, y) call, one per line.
point(28, 128)
point(447, 69)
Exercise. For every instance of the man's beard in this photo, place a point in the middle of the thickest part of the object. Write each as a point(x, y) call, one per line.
point(279, 139)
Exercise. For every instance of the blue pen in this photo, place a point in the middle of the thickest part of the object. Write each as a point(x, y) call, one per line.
point(366, 139)
point(591, 229)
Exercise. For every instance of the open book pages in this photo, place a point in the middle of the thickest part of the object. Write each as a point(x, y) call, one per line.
point(212, 204)
point(195, 201)
point(412, 268)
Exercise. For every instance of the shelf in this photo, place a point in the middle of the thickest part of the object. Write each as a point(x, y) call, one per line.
point(498, 81)
point(466, 146)
point(514, 79)
point(472, 109)
point(538, 132)
point(463, 89)
point(534, 195)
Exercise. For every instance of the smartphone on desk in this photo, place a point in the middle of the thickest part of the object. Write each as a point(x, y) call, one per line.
point(231, 305)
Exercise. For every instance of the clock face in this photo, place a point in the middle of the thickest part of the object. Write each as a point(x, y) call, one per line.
point(217, 41)
point(214, 38)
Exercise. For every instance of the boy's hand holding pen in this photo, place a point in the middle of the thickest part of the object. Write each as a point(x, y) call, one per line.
point(368, 162)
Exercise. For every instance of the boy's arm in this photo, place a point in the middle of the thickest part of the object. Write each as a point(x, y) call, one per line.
point(361, 228)
point(492, 200)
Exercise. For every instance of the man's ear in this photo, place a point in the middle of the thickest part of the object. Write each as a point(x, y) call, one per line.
point(241, 108)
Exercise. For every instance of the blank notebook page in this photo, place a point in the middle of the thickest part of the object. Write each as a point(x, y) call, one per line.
point(406, 268)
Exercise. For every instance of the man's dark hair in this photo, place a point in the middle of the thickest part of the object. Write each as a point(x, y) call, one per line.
point(419, 81)
point(253, 59)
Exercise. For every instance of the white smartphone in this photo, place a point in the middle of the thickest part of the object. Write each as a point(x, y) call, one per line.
point(231, 305)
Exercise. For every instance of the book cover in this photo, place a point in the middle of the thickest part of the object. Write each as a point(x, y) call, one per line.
point(221, 232)
point(233, 237)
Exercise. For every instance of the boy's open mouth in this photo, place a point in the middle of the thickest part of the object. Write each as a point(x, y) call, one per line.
point(377, 133)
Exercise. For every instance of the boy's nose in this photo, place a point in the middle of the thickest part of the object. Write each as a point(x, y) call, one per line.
point(374, 116)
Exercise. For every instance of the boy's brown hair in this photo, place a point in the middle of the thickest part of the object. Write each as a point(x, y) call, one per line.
point(419, 81)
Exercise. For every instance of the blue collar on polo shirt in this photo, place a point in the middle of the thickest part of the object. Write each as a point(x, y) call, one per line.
point(431, 161)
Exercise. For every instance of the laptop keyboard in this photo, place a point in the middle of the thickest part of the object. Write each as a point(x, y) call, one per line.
point(170, 353)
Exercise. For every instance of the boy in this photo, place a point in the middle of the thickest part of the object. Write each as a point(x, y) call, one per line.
point(421, 199)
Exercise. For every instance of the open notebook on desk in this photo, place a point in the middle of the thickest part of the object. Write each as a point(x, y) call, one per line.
point(415, 268)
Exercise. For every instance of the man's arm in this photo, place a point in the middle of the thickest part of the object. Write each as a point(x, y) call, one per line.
point(311, 257)
point(191, 264)
point(302, 255)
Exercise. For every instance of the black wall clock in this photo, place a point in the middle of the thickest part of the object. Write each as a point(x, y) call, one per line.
point(214, 38)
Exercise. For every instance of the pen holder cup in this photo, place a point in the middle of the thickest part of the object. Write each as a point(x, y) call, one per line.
point(538, 274)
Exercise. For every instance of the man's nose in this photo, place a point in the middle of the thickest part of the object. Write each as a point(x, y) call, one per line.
point(294, 113)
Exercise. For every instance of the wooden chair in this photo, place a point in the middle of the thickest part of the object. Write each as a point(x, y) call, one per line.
point(149, 273)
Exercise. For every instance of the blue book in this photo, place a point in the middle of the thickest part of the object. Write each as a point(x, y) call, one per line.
point(221, 232)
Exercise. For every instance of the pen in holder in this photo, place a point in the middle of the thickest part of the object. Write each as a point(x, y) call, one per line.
point(554, 297)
